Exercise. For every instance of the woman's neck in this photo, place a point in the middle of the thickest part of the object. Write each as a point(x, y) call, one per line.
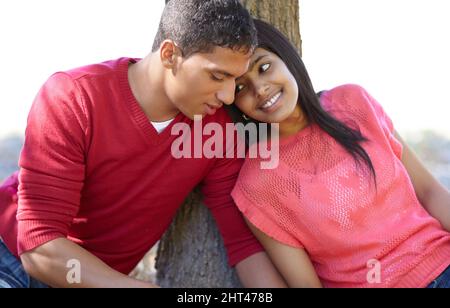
point(296, 122)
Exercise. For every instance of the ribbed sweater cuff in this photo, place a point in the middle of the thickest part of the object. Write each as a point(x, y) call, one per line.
point(428, 270)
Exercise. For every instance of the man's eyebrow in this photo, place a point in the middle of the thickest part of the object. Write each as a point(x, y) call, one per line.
point(226, 74)
point(222, 72)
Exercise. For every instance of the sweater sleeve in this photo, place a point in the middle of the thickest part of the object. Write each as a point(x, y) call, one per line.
point(384, 122)
point(52, 163)
point(216, 188)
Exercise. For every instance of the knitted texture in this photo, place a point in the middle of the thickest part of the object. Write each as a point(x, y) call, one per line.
point(321, 200)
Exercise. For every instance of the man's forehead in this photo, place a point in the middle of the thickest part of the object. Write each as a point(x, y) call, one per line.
point(242, 50)
point(223, 54)
point(232, 63)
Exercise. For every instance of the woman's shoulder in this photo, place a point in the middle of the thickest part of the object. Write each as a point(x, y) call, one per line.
point(348, 101)
point(348, 88)
point(346, 93)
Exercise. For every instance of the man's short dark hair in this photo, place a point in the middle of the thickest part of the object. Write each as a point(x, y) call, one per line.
point(200, 25)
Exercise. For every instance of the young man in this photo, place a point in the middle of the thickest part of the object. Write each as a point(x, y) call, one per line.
point(99, 184)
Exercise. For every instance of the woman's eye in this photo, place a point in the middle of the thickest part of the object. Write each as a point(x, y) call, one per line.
point(265, 67)
point(239, 88)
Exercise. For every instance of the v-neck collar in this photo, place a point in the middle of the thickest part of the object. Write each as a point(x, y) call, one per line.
point(141, 120)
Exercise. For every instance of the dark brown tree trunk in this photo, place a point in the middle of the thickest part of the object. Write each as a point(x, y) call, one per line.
point(191, 253)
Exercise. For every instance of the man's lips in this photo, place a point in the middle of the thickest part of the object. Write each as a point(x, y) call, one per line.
point(215, 106)
point(212, 109)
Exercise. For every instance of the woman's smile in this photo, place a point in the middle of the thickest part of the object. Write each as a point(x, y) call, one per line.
point(272, 104)
point(268, 92)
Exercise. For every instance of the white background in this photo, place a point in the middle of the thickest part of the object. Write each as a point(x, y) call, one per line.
point(397, 49)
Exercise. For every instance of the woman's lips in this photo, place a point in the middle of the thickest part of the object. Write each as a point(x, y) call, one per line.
point(272, 104)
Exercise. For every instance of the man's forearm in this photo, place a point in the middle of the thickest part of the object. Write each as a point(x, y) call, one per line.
point(257, 271)
point(49, 264)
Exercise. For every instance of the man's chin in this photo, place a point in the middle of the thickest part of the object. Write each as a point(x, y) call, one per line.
point(195, 117)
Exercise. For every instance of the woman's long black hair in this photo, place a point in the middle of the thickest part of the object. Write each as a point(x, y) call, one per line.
point(271, 39)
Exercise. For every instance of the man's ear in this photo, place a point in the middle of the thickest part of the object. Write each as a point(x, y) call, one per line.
point(169, 53)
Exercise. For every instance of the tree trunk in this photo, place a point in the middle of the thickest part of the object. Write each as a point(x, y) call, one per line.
point(191, 253)
point(283, 14)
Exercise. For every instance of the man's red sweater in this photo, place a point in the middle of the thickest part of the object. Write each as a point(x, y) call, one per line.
point(94, 169)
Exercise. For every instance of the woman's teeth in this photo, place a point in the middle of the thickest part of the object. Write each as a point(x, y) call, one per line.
point(271, 102)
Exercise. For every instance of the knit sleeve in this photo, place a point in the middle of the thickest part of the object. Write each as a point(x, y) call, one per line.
point(355, 102)
point(257, 195)
point(52, 164)
point(384, 122)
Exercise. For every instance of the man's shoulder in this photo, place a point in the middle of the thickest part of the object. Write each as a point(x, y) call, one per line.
point(81, 87)
point(105, 68)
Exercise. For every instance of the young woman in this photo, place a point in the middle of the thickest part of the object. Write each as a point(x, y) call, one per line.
point(349, 204)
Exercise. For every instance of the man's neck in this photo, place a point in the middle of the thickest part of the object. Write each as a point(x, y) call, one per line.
point(149, 91)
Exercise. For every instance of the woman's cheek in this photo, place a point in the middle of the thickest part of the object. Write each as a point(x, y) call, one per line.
point(248, 106)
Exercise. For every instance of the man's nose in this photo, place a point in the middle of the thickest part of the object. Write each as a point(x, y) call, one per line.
point(226, 94)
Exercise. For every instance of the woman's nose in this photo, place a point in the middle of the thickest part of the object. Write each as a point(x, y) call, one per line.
point(262, 90)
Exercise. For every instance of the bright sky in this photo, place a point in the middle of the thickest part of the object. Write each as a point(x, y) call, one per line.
point(41, 37)
point(397, 49)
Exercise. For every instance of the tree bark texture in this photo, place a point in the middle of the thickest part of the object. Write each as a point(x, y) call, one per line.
point(191, 253)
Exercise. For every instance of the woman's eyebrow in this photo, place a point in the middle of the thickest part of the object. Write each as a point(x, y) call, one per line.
point(256, 61)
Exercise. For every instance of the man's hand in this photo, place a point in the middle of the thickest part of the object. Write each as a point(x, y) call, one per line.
point(49, 264)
